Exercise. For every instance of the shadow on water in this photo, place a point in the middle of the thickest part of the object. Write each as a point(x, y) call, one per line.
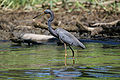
point(100, 61)
point(109, 42)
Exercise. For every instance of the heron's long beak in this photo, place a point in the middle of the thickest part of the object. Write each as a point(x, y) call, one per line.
point(38, 15)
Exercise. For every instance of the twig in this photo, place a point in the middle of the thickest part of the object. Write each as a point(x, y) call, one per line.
point(105, 24)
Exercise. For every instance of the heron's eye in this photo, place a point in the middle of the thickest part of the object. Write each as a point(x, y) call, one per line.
point(45, 12)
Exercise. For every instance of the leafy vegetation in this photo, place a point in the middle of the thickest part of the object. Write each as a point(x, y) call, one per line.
point(70, 5)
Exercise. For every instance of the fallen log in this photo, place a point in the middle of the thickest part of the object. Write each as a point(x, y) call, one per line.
point(30, 38)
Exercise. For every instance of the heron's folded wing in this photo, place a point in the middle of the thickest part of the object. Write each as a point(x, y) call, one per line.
point(68, 38)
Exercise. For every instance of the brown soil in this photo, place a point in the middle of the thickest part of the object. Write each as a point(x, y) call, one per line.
point(21, 21)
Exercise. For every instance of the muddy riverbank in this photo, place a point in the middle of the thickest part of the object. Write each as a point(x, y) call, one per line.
point(93, 25)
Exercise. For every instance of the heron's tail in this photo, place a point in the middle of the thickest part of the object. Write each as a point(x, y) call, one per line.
point(81, 45)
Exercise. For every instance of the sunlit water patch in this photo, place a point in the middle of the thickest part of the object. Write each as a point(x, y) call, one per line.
point(99, 61)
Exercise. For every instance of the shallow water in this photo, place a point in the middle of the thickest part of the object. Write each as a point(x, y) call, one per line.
point(99, 61)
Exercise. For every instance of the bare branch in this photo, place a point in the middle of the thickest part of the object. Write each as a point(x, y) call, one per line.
point(93, 31)
point(106, 24)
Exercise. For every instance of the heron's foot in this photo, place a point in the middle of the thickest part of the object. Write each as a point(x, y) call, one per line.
point(73, 60)
point(65, 63)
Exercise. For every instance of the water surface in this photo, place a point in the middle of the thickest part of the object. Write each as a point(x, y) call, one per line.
point(100, 61)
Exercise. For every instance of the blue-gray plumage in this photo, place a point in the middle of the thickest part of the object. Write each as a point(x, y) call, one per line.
point(68, 38)
point(63, 35)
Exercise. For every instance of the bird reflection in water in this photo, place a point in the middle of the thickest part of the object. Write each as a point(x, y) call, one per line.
point(67, 73)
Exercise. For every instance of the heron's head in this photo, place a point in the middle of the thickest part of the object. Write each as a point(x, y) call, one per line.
point(48, 11)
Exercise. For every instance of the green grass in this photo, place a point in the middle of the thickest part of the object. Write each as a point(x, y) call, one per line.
point(56, 4)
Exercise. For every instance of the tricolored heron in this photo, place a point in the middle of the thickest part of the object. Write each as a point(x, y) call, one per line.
point(63, 35)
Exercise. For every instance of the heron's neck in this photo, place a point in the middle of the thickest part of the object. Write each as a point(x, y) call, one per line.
point(51, 17)
point(51, 30)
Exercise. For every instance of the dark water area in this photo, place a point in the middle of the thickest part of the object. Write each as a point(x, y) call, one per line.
point(99, 61)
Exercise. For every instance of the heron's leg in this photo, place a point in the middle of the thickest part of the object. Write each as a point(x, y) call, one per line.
point(73, 54)
point(65, 49)
point(65, 53)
